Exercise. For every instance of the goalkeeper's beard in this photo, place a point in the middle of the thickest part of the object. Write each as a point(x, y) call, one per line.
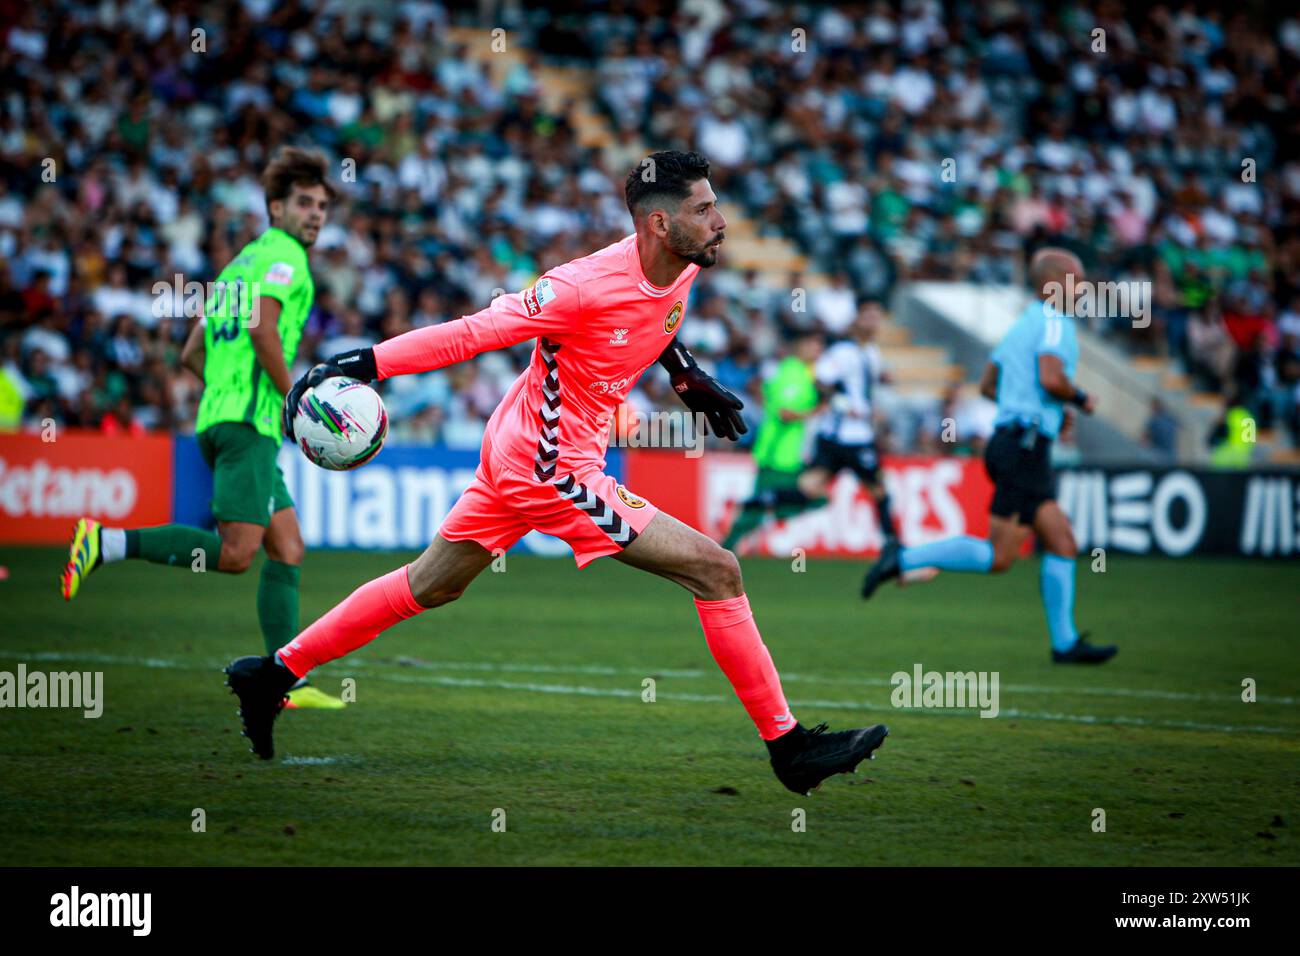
point(703, 255)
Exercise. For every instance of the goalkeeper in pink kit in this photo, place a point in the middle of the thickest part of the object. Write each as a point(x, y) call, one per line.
point(600, 322)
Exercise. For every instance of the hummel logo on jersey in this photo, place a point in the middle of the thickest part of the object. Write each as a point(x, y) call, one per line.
point(619, 337)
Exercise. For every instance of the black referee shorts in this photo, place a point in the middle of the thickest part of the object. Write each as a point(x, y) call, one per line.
point(836, 457)
point(1022, 477)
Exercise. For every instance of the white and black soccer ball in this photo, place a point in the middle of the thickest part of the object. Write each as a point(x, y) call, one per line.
point(340, 424)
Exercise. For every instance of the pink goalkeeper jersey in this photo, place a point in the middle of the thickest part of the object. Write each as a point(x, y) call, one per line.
point(599, 325)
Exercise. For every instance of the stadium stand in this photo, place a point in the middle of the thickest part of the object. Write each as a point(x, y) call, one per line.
point(478, 147)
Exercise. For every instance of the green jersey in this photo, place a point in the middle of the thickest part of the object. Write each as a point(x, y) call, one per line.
point(779, 445)
point(237, 388)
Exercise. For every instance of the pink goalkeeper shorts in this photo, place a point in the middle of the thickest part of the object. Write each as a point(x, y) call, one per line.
point(591, 512)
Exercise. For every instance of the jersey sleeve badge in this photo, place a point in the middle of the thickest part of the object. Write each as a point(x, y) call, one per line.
point(545, 292)
point(280, 273)
point(629, 499)
point(537, 296)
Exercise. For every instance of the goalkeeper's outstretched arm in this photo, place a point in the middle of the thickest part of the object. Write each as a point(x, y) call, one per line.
point(547, 309)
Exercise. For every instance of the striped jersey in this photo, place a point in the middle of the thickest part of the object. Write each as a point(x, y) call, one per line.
point(851, 371)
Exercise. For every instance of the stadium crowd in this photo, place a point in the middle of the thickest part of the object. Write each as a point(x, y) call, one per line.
point(132, 134)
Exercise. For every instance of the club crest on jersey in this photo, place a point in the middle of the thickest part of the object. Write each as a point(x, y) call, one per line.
point(629, 499)
point(674, 317)
point(619, 337)
point(536, 297)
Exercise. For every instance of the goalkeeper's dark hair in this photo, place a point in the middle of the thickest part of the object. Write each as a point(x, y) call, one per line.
point(294, 166)
point(662, 180)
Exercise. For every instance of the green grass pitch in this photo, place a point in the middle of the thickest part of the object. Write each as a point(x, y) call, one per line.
point(522, 704)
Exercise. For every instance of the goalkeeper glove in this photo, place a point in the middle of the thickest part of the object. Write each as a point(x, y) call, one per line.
point(357, 363)
point(702, 393)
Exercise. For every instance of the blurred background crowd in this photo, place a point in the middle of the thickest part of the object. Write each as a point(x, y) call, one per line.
point(887, 141)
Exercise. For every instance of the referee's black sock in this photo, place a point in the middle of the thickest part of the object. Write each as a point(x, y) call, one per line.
point(886, 516)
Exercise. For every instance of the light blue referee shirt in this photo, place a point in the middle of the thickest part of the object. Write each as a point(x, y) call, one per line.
point(1039, 329)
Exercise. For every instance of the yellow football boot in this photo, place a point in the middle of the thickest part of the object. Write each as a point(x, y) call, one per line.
point(312, 698)
point(83, 557)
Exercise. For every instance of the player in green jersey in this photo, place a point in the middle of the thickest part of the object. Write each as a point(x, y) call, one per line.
point(242, 349)
point(790, 399)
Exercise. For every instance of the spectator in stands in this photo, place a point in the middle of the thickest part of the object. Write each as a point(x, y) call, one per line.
point(350, 334)
point(1232, 439)
point(1161, 431)
point(1211, 353)
point(1256, 380)
point(1287, 398)
point(835, 306)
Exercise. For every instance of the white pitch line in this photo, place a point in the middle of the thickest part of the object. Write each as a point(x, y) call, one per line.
point(546, 668)
point(1200, 696)
point(693, 674)
point(385, 673)
point(570, 689)
point(1128, 721)
point(94, 658)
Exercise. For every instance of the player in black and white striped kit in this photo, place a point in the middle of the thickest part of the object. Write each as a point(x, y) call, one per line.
point(851, 370)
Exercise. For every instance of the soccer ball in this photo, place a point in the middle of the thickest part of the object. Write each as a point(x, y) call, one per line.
point(340, 424)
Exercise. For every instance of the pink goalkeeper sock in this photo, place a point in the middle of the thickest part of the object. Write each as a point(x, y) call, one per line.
point(356, 620)
point(736, 645)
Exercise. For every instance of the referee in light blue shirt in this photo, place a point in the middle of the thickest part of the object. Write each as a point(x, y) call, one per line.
point(1030, 375)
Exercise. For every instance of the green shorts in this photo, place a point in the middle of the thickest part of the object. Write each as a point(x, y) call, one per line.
point(772, 479)
point(247, 484)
